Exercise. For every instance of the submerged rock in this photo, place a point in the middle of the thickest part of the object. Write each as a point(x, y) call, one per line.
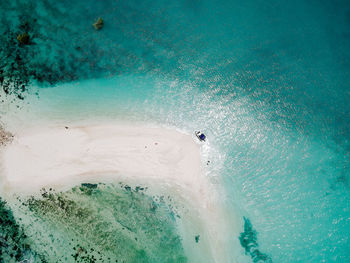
point(23, 38)
point(249, 242)
point(88, 185)
point(98, 24)
point(196, 238)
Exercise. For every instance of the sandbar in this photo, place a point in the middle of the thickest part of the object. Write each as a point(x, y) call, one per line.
point(168, 160)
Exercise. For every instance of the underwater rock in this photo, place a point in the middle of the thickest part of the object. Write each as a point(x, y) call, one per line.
point(23, 38)
point(98, 24)
point(127, 188)
point(88, 185)
point(196, 238)
point(139, 188)
point(249, 242)
point(88, 188)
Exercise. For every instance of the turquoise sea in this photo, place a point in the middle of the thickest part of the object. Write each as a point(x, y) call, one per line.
point(266, 81)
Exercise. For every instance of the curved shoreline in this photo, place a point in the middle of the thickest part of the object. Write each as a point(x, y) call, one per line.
point(166, 160)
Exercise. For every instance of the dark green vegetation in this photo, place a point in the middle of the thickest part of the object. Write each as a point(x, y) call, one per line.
point(14, 244)
point(100, 223)
point(98, 24)
point(33, 46)
point(249, 242)
point(23, 38)
point(16, 55)
point(196, 238)
point(47, 42)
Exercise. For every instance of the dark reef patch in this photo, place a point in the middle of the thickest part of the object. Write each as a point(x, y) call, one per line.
point(249, 242)
point(36, 44)
point(34, 47)
point(14, 243)
point(196, 238)
point(49, 42)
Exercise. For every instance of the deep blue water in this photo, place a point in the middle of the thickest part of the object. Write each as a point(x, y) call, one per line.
point(267, 81)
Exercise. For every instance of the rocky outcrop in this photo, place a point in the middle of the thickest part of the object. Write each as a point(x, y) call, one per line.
point(5, 137)
point(98, 24)
point(23, 38)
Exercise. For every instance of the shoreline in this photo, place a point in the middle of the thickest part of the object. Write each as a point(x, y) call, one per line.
point(165, 160)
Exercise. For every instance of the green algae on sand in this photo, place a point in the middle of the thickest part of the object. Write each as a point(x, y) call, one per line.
point(102, 223)
point(249, 242)
point(15, 246)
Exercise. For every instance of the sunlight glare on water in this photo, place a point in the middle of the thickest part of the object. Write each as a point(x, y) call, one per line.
point(266, 81)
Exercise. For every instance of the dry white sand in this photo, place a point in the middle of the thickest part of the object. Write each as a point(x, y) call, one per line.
point(61, 157)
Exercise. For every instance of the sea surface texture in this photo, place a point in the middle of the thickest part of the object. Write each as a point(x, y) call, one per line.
point(266, 81)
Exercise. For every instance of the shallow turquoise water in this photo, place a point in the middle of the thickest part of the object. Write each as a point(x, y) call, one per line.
point(267, 82)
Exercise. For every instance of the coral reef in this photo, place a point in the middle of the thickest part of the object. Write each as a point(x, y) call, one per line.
point(14, 243)
point(102, 223)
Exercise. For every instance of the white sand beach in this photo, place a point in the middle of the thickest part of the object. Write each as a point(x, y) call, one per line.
point(60, 157)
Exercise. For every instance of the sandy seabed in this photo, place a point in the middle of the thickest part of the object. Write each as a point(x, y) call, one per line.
point(166, 160)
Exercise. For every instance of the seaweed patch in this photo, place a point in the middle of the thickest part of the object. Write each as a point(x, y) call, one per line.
point(249, 242)
point(14, 243)
point(196, 238)
point(103, 223)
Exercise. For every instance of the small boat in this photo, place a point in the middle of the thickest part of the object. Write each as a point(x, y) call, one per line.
point(200, 136)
